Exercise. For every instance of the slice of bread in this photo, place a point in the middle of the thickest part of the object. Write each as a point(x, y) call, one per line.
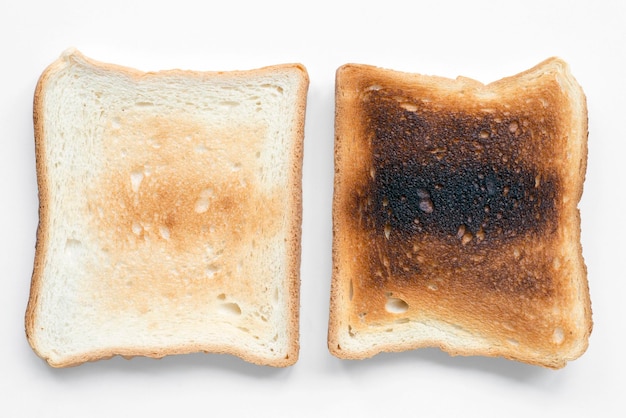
point(455, 215)
point(170, 212)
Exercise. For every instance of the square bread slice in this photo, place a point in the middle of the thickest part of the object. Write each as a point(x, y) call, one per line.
point(455, 215)
point(170, 212)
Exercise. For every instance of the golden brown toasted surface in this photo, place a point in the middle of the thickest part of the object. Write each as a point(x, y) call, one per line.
point(455, 201)
point(157, 197)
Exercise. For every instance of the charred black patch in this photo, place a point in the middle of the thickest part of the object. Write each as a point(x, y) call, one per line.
point(452, 174)
point(440, 199)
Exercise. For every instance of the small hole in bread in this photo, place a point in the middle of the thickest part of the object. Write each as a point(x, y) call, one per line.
point(72, 244)
point(396, 305)
point(137, 228)
point(408, 106)
point(229, 103)
point(466, 238)
point(350, 332)
point(558, 335)
point(202, 203)
point(164, 232)
point(135, 179)
point(230, 308)
point(426, 205)
point(211, 270)
point(513, 342)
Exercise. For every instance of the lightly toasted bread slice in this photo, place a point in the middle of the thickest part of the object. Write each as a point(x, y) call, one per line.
point(455, 218)
point(170, 212)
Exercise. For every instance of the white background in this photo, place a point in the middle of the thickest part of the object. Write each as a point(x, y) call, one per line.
point(480, 39)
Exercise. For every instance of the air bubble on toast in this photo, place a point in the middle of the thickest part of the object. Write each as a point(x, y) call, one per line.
point(402, 321)
point(154, 143)
point(387, 230)
point(164, 231)
point(558, 335)
point(408, 106)
point(556, 263)
point(137, 228)
point(274, 87)
point(229, 103)
point(513, 127)
point(230, 308)
point(433, 286)
point(512, 341)
point(351, 291)
point(72, 245)
point(464, 235)
point(211, 270)
point(467, 238)
point(136, 177)
point(507, 326)
point(480, 234)
point(202, 203)
point(426, 205)
point(396, 305)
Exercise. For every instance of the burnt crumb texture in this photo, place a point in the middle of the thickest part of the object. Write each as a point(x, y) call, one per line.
point(453, 173)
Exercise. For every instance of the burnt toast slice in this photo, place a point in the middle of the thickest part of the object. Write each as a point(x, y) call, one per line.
point(455, 215)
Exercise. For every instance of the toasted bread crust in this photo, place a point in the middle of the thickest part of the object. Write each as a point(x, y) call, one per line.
point(182, 229)
point(455, 208)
